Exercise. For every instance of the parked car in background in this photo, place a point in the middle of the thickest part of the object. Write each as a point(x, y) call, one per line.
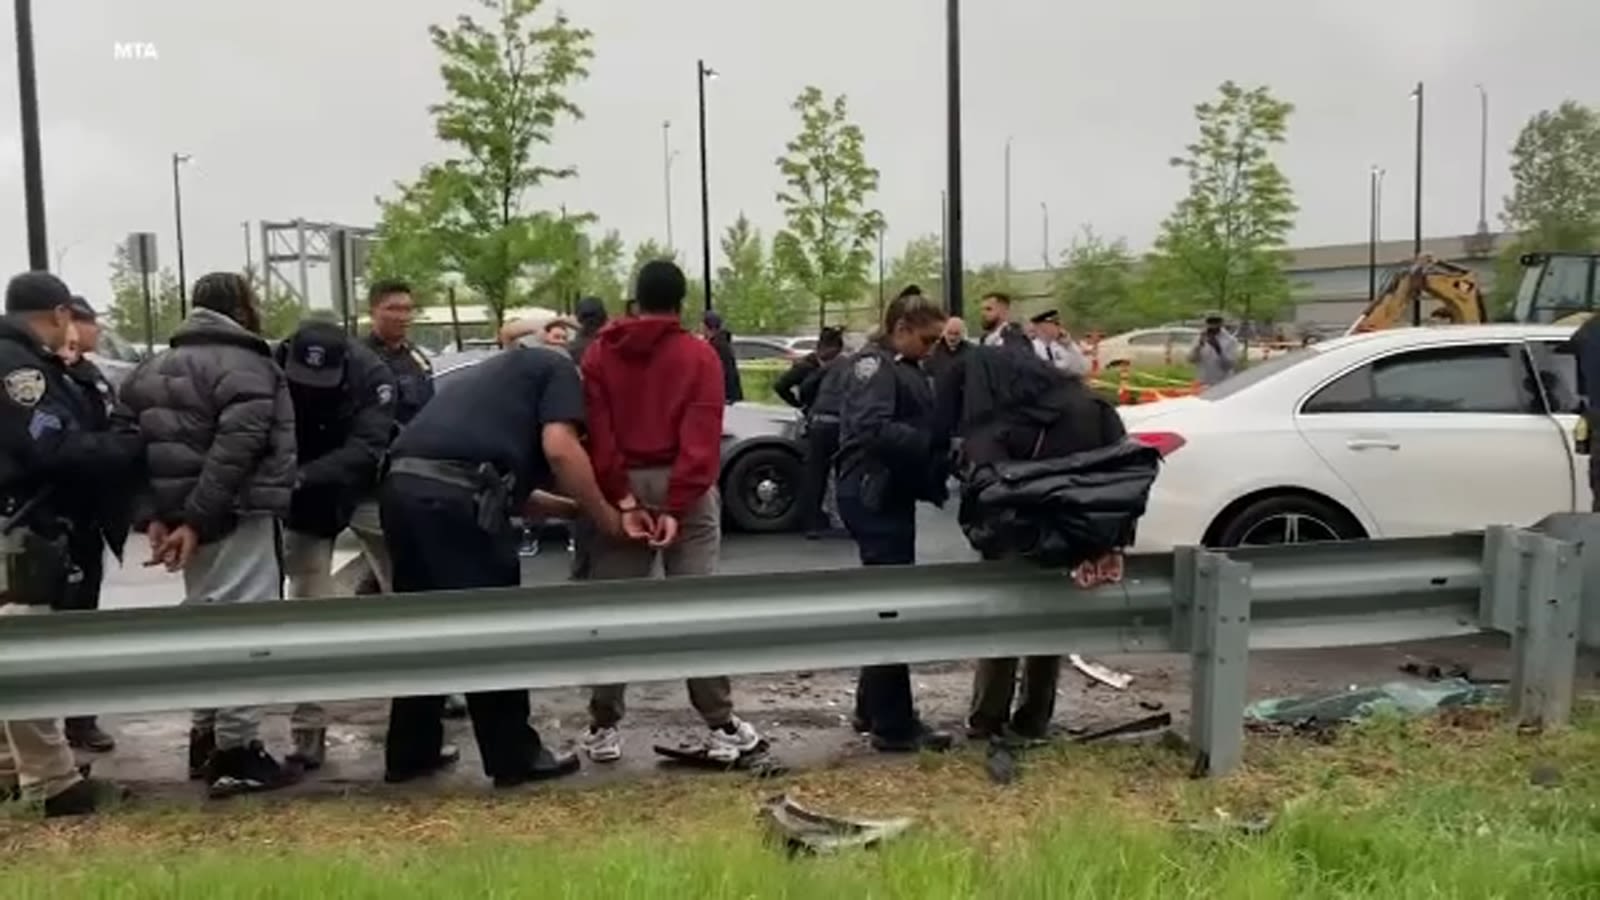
point(762, 461)
point(1398, 433)
point(1165, 345)
point(759, 348)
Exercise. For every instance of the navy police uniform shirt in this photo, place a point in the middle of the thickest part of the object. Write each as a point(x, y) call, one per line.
point(496, 414)
point(413, 376)
point(886, 413)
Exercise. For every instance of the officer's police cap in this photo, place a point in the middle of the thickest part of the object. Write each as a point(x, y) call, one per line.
point(33, 292)
point(1047, 316)
point(316, 355)
point(81, 310)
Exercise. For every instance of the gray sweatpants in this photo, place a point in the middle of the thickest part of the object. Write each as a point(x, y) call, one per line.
point(698, 546)
point(243, 567)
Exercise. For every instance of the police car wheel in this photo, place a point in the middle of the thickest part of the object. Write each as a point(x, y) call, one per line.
point(761, 491)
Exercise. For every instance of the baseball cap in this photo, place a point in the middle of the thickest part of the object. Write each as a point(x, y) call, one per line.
point(712, 319)
point(81, 310)
point(33, 292)
point(316, 356)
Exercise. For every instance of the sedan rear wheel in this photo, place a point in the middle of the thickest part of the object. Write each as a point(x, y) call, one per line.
point(1286, 519)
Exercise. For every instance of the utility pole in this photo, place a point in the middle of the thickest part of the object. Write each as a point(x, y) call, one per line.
point(1008, 205)
point(1374, 226)
point(704, 74)
point(952, 255)
point(666, 178)
point(32, 157)
point(249, 263)
point(1416, 213)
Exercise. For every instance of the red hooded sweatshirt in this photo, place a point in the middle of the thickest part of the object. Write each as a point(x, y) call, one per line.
point(653, 394)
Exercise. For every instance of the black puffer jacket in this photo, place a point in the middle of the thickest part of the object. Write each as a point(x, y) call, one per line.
point(218, 425)
point(1048, 472)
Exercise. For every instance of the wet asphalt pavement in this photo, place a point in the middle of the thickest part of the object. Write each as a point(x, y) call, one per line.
point(804, 715)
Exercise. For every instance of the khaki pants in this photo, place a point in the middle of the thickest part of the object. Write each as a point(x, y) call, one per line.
point(995, 686)
point(308, 566)
point(695, 553)
point(364, 524)
point(34, 752)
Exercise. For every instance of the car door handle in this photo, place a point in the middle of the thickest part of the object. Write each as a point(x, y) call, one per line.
point(1372, 444)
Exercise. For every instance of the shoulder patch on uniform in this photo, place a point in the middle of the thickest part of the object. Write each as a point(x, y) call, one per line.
point(865, 367)
point(25, 387)
point(385, 394)
point(41, 422)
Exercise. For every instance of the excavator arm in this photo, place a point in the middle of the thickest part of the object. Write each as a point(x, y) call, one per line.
point(1455, 287)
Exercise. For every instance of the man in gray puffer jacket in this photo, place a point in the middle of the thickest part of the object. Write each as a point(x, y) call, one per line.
point(218, 424)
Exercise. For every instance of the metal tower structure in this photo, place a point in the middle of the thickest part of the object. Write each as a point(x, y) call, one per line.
point(290, 249)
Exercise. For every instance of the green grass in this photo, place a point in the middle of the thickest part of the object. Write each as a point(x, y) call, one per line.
point(1392, 810)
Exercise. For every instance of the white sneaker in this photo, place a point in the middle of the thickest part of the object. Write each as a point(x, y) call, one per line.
point(728, 748)
point(603, 745)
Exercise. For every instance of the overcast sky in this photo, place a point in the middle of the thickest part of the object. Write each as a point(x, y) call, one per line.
point(310, 108)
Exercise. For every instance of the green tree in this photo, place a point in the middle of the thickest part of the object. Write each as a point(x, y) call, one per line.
point(921, 263)
point(507, 85)
point(1223, 247)
point(127, 312)
point(749, 295)
point(1094, 286)
point(584, 267)
point(1555, 195)
point(281, 312)
point(827, 248)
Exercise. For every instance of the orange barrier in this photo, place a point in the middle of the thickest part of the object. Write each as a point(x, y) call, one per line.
point(1124, 396)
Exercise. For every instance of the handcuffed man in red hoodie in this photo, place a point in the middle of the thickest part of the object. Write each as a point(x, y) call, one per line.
point(654, 399)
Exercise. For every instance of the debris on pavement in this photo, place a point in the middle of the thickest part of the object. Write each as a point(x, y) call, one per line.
point(1104, 675)
point(1151, 705)
point(759, 762)
point(806, 831)
point(1311, 711)
point(1140, 725)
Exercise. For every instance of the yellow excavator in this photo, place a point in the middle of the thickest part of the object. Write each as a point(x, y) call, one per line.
point(1556, 287)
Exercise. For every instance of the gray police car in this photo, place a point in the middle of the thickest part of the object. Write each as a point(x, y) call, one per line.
point(762, 464)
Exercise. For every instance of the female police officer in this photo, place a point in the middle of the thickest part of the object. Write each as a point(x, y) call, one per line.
point(890, 456)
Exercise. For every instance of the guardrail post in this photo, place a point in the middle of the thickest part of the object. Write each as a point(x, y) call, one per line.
point(1220, 653)
point(1503, 568)
point(1183, 570)
point(1544, 644)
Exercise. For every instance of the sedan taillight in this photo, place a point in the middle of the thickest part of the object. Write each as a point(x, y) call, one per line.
point(1167, 442)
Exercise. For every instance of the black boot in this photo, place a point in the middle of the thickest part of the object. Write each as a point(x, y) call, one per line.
point(310, 748)
point(247, 770)
point(202, 746)
point(83, 798)
point(449, 755)
point(84, 733)
point(455, 707)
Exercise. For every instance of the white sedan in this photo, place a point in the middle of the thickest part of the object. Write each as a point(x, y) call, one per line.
point(1415, 431)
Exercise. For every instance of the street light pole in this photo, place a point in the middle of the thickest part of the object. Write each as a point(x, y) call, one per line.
point(178, 159)
point(882, 297)
point(666, 178)
point(952, 255)
point(1044, 223)
point(1416, 212)
point(1008, 205)
point(32, 157)
point(1483, 162)
point(704, 74)
point(1373, 227)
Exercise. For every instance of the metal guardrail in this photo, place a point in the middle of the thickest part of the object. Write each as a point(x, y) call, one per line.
point(1215, 606)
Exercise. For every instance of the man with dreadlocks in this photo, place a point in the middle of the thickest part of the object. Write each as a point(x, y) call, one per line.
point(218, 423)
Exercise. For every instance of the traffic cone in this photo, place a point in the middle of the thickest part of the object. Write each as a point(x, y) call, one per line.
point(1124, 396)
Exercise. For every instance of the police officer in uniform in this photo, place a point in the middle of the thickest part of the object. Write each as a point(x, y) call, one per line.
point(114, 509)
point(390, 307)
point(457, 474)
point(55, 459)
point(890, 456)
point(821, 397)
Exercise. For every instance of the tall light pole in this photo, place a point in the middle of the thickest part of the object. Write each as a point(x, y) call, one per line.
point(952, 226)
point(1374, 226)
point(178, 159)
point(1483, 164)
point(32, 157)
point(1416, 211)
point(666, 178)
point(882, 296)
point(1008, 205)
point(1044, 227)
point(702, 75)
point(249, 264)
